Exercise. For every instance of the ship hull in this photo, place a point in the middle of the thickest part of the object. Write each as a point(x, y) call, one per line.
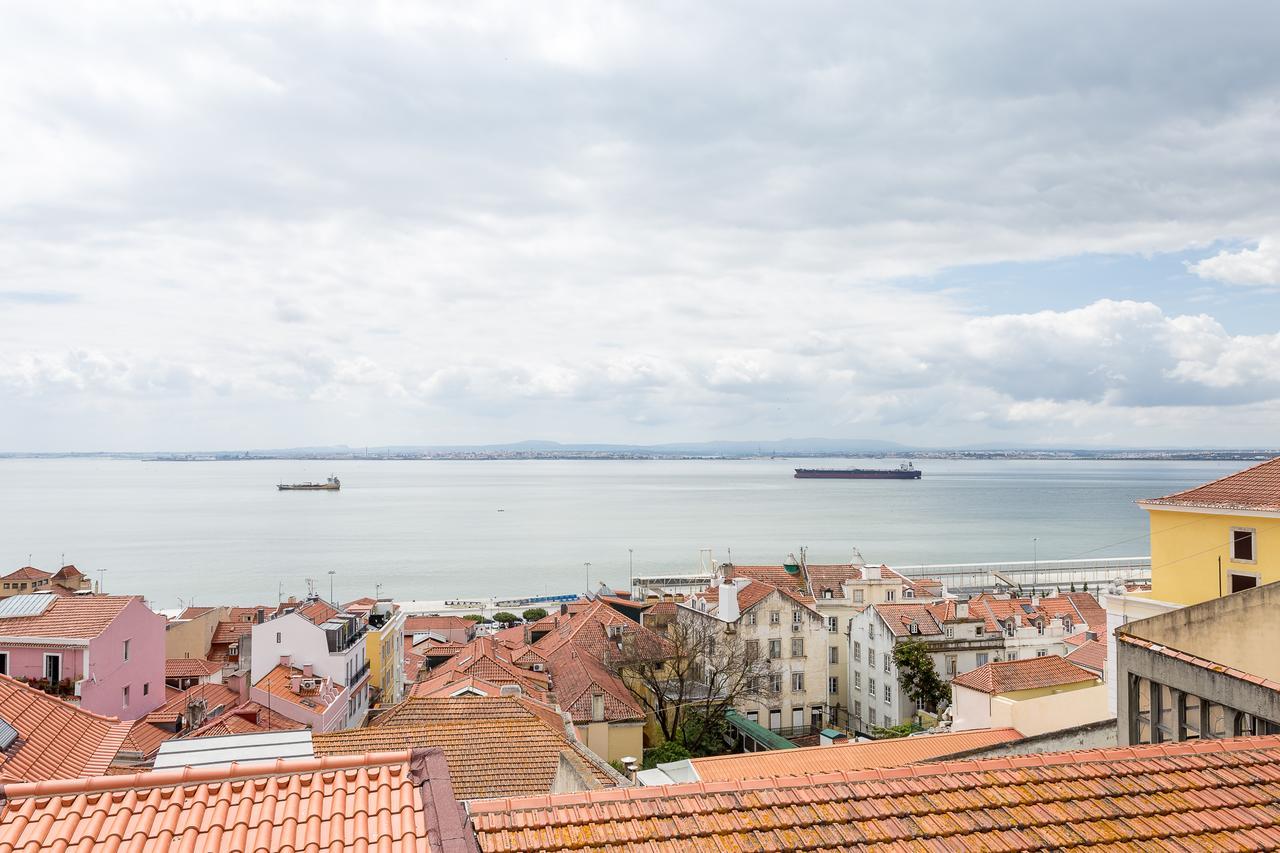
point(308, 487)
point(855, 474)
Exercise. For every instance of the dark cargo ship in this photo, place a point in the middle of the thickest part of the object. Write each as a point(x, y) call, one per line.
point(905, 471)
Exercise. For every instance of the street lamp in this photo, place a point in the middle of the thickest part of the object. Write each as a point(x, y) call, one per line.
point(631, 583)
point(588, 567)
point(101, 573)
point(332, 572)
point(1035, 563)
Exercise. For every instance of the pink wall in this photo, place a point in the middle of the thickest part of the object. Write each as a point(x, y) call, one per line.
point(28, 661)
point(103, 691)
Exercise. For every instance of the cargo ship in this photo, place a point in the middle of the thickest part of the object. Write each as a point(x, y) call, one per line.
point(905, 471)
point(330, 485)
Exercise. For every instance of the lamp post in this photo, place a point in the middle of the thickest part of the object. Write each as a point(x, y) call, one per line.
point(1035, 563)
point(631, 572)
point(101, 580)
point(588, 568)
point(332, 572)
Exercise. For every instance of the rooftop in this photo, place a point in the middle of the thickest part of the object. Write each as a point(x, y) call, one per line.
point(1027, 674)
point(1255, 489)
point(189, 668)
point(80, 617)
point(243, 749)
point(1198, 795)
point(279, 683)
point(846, 756)
point(56, 740)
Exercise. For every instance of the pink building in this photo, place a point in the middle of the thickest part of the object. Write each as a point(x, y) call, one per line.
point(107, 650)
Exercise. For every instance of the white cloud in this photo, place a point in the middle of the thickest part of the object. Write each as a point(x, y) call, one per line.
point(1260, 266)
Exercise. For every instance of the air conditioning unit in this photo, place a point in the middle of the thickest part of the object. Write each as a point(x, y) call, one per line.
point(796, 626)
point(308, 684)
point(537, 667)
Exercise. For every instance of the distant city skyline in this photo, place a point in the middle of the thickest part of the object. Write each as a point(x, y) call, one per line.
point(236, 227)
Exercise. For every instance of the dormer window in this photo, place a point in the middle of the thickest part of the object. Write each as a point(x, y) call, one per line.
point(908, 593)
point(826, 593)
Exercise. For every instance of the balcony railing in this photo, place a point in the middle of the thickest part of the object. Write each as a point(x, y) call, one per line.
point(360, 673)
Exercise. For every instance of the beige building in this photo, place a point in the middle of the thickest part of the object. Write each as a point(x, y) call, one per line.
point(783, 627)
point(191, 632)
point(1032, 695)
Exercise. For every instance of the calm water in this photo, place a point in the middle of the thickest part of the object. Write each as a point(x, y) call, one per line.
point(221, 532)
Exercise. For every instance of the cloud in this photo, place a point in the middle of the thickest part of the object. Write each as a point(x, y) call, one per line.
point(1260, 266)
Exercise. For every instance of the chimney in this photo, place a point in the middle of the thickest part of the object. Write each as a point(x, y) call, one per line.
point(962, 610)
point(307, 670)
point(262, 615)
point(295, 683)
point(564, 609)
point(728, 611)
point(872, 573)
point(597, 707)
point(1091, 635)
point(285, 660)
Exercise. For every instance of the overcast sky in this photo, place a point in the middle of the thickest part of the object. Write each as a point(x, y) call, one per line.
point(942, 224)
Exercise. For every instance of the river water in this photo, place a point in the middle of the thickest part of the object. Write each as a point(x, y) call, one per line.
point(220, 532)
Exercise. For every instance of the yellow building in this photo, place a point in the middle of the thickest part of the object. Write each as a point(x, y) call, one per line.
point(384, 649)
point(1216, 539)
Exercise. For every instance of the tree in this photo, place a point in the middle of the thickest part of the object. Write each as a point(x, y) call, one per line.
point(664, 753)
point(918, 676)
point(893, 731)
point(533, 614)
point(691, 678)
point(506, 619)
point(476, 618)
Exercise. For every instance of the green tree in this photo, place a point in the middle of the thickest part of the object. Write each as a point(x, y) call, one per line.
point(476, 618)
point(533, 614)
point(918, 676)
point(663, 753)
point(505, 618)
point(893, 731)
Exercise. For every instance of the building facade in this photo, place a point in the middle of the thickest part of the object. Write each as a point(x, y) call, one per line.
point(315, 674)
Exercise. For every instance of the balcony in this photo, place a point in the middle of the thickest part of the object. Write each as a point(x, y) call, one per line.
point(360, 674)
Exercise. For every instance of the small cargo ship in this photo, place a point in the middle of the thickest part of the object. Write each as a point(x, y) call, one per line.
point(330, 485)
point(905, 471)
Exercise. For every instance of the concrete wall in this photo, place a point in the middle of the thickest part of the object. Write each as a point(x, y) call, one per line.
point(1049, 713)
point(971, 709)
point(1099, 735)
point(613, 741)
point(190, 638)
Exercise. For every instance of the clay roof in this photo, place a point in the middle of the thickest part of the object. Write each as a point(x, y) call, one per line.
point(413, 663)
point(487, 758)
point(1026, 674)
point(246, 718)
point(1254, 489)
point(490, 661)
point(1197, 795)
point(27, 573)
point(1091, 654)
point(81, 617)
point(193, 612)
point(434, 623)
point(415, 709)
point(189, 668)
point(900, 618)
point(230, 632)
point(67, 573)
point(215, 696)
point(847, 756)
point(449, 684)
point(317, 611)
point(279, 683)
point(1195, 660)
point(1082, 607)
point(56, 740)
point(362, 802)
point(145, 739)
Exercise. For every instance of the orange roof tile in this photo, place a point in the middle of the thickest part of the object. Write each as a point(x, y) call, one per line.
point(1254, 489)
point(67, 573)
point(374, 802)
point(1198, 795)
point(420, 624)
point(246, 718)
point(847, 756)
point(1027, 674)
point(279, 683)
point(145, 739)
point(27, 573)
point(81, 617)
point(418, 709)
point(1091, 654)
point(189, 668)
point(230, 632)
point(193, 612)
point(214, 696)
point(487, 757)
point(56, 739)
point(900, 618)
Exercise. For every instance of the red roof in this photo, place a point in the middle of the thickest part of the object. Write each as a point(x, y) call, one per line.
point(193, 612)
point(81, 617)
point(216, 697)
point(421, 624)
point(1026, 674)
point(27, 573)
point(1197, 795)
point(395, 802)
point(1254, 489)
point(1091, 654)
point(56, 740)
point(246, 718)
point(901, 617)
point(189, 668)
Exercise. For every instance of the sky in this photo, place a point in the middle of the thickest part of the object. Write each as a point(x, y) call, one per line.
point(270, 225)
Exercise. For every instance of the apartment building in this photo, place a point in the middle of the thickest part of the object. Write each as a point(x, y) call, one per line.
point(786, 628)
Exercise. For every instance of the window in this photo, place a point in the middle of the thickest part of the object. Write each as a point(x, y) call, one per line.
point(775, 719)
point(908, 593)
point(871, 657)
point(887, 661)
point(125, 697)
point(857, 596)
point(857, 710)
point(982, 658)
point(871, 716)
point(826, 593)
point(126, 650)
point(753, 716)
point(1041, 652)
point(833, 624)
point(797, 617)
point(797, 718)
point(951, 664)
point(833, 684)
point(888, 595)
point(753, 649)
point(833, 654)
point(751, 618)
point(146, 688)
point(4, 663)
point(277, 636)
point(797, 647)
point(871, 687)
point(857, 651)
point(6, 586)
point(775, 617)
point(775, 649)
point(1241, 582)
point(871, 632)
point(857, 681)
point(797, 682)
point(53, 667)
point(951, 633)
point(775, 682)
point(888, 695)
point(977, 631)
point(1242, 545)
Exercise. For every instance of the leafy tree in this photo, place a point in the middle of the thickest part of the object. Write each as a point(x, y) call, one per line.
point(476, 618)
point(893, 731)
point(665, 752)
point(533, 614)
point(689, 679)
point(918, 676)
point(505, 618)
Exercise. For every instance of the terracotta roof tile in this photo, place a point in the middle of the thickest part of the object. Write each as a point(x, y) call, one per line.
point(901, 617)
point(420, 624)
point(846, 756)
point(214, 697)
point(1256, 489)
point(243, 719)
point(230, 632)
point(80, 617)
point(193, 613)
point(56, 739)
point(27, 573)
point(1027, 674)
point(367, 802)
point(1195, 660)
point(279, 683)
point(1091, 654)
point(189, 668)
point(1198, 795)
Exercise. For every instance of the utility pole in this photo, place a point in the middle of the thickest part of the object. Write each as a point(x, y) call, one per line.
point(331, 574)
point(631, 570)
point(1035, 563)
point(588, 567)
point(101, 580)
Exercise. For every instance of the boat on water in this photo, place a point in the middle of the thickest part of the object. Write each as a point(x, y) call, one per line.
point(330, 485)
point(905, 471)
